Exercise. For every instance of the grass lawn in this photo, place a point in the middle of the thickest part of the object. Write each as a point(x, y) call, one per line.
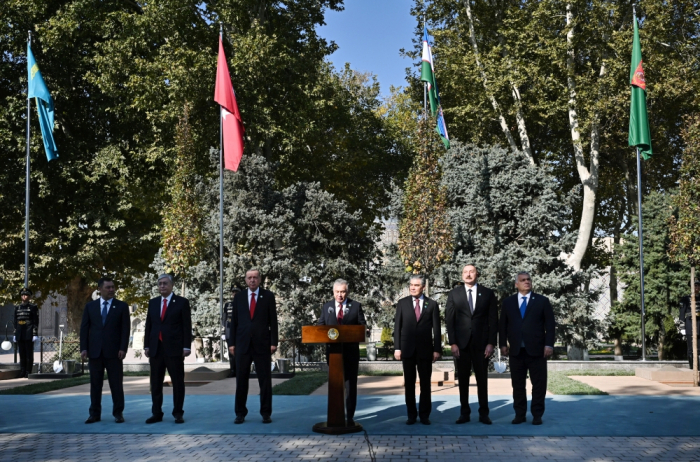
point(303, 383)
point(43, 387)
point(559, 383)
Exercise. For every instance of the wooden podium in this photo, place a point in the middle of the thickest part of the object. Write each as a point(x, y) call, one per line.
point(335, 337)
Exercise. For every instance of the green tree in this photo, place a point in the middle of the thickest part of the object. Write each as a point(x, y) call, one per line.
point(665, 282)
point(425, 236)
point(551, 78)
point(182, 237)
point(507, 217)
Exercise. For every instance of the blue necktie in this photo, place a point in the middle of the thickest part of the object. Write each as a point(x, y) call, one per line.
point(523, 306)
point(105, 304)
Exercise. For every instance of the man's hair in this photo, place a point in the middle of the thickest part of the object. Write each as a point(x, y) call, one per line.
point(102, 280)
point(341, 282)
point(475, 267)
point(417, 276)
point(517, 276)
point(256, 270)
point(166, 276)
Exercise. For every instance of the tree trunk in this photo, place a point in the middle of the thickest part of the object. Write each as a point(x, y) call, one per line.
point(78, 294)
point(589, 177)
point(617, 342)
point(485, 82)
point(662, 339)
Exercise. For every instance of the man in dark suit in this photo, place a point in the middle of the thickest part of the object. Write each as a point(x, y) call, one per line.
point(343, 311)
point(104, 338)
point(253, 338)
point(417, 345)
point(527, 323)
point(167, 341)
point(26, 323)
point(226, 323)
point(471, 315)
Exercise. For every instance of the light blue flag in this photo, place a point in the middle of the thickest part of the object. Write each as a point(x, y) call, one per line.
point(36, 88)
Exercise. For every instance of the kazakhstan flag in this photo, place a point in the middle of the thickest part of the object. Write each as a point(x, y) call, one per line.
point(44, 104)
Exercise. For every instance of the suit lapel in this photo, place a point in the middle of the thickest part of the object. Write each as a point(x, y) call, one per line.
point(422, 312)
point(170, 307)
point(531, 304)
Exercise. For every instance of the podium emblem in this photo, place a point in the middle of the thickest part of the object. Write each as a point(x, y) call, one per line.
point(333, 334)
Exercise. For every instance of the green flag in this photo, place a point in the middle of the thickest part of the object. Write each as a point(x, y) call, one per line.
point(427, 74)
point(639, 135)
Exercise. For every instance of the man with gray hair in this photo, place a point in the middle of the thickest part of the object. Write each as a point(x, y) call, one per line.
point(343, 311)
point(527, 333)
point(167, 341)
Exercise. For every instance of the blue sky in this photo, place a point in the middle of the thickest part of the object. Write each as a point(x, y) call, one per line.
point(369, 34)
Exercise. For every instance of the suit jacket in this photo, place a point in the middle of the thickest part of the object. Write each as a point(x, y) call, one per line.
point(422, 336)
point(685, 307)
point(176, 326)
point(463, 326)
point(108, 339)
point(354, 316)
point(255, 335)
point(536, 329)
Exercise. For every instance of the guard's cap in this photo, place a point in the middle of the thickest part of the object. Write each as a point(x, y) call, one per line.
point(235, 288)
point(25, 291)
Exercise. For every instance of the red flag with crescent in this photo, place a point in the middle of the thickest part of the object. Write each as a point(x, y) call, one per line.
point(231, 122)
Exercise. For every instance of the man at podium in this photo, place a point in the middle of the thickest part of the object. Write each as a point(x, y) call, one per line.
point(343, 311)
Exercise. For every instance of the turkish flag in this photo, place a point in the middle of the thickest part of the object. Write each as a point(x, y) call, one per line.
point(231, 123)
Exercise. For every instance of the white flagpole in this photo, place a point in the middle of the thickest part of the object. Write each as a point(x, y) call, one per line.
point(26, 211)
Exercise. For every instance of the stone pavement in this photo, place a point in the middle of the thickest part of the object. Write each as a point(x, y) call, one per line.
point(351, 448)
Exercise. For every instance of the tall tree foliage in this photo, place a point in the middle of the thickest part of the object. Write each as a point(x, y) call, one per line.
point(551, 78)
point(425, 237)
point(665, 282)
point(182, 237)
point(506, 217)
point(120, 74)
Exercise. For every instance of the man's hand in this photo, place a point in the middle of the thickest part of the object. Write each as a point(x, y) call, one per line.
point(548, 351)
point(14, 339)
point(232, 350)
point(436, 356)
point(145, 352)
point(273, 349)
point(83, 355)
point(489, 351)
point(397, 355)
point(504, 351)
point(455, 350)
point(121, 354)
point(186, 352)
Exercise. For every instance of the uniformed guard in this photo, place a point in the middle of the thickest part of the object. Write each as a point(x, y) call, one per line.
point(687, 315)
point(26, 331)
point(226, 323)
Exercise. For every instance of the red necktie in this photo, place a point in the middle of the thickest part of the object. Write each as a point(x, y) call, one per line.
point(417, 309)
point(252, 305)
point(340, 313)
point(162, 316)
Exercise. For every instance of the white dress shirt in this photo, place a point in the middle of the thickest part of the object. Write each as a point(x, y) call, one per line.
point(102, 304)
point(421, 302)
point(257, 296)
point(168, 298)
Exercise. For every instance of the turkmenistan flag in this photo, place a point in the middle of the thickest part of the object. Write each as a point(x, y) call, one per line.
point(427, 74)
point(639, 135)
point(36, 88)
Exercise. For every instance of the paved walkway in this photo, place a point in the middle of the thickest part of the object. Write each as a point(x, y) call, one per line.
point(351, 448)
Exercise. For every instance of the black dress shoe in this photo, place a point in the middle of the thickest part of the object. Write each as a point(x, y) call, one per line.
point(425, 421)
point(351, 423)
point(119, 418)
point(92, 419)
point(484, 419)
point(239, 419)
point(518, 420)
point(463, 419)
point(267, 419)
point(537, 421)
point(179, 419)
point(154, 419)
point(410, 421)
